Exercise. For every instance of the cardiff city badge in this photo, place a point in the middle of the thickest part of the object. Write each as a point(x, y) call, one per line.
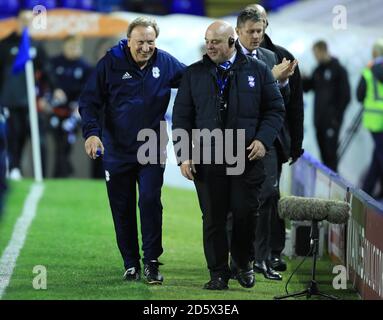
point(156, 72)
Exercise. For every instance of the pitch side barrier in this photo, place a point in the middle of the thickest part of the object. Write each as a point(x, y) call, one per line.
point(357, 245)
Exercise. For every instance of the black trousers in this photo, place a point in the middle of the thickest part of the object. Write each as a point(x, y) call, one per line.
point(18, 134)
point(269, 194)
point(218, 194)
point(277, 225)
point(122, 199)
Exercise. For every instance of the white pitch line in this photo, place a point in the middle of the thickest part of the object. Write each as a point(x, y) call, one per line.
point(12, 251)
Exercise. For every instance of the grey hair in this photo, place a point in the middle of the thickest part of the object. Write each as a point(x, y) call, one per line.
point(144, 22)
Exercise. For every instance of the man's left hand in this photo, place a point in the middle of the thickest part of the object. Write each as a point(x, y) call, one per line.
point(258, 150)
point(284, 70)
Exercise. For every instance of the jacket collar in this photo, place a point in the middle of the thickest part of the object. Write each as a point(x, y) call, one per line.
point(267, 43)
point(261, 55)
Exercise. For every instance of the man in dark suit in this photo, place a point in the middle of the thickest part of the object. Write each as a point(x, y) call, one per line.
point(227, 90)
point(288, 143)
point(250, 29)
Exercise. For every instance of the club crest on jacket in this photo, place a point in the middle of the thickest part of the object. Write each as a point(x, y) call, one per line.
point(156, 72)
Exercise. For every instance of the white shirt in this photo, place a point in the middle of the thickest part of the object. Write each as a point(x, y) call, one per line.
point(232, 59)
point(245, 51)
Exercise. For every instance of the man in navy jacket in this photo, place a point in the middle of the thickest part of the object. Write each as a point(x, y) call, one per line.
point(131, 86)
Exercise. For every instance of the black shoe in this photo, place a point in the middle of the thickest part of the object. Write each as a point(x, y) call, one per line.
point(151, 272)
point(267, 271)
point(246, 277)
point(233, 270)
point(132, 274)
point(216, 284)
point(277, 263)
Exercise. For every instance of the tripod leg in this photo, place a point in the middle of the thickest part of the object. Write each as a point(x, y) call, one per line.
point(296, 294)
point(328, 296)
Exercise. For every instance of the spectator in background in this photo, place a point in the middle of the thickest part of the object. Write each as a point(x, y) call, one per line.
point(13, 94)
point(332, 95)
point(370, 93)
point(71, 72)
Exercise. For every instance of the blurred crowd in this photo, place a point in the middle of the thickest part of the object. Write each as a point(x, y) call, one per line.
point(58, 82)
point(158, 7)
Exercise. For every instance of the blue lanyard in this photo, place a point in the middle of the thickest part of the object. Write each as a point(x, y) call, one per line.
point(222, 82)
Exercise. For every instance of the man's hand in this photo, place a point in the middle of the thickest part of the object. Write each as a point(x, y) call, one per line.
point(284, 70)
point(91, 145)
point(187, 169)
point(258, 150)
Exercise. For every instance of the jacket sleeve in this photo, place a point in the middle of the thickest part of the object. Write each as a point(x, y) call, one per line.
point(285, 89)
point(295, 113)
point(308, 83)
point(177, 71)
point(286, 92)
point(344, 94)
point(92, 101)
point(272, 110)
point(361, 90)
point(183, 116)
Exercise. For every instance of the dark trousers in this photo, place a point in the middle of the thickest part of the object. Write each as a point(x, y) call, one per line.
point(375, 172)
point(277, 229)
point(97, 169)
point(122, 199)
point(18, 133)
point(63, 148)
point(218, 194)
point(277, 225)
point(327, 137)
point(269, 194)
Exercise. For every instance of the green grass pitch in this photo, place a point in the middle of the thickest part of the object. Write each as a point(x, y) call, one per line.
point(72, 235)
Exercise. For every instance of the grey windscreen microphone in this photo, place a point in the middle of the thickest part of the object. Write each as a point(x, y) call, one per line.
point(302, 208)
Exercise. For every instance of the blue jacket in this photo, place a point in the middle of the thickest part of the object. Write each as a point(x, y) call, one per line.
point(127, 99)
